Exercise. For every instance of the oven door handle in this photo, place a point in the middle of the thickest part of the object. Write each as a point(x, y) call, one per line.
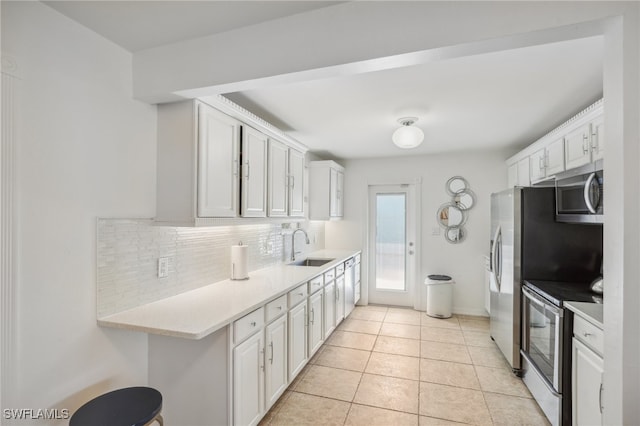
point(541, 302)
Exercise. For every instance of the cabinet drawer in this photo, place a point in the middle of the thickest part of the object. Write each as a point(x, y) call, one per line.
point(588, 334)
point(316, 284)
point(275, 308)
point(329, 275)
point(248, 324)
point(339, 269)
point(297, 295)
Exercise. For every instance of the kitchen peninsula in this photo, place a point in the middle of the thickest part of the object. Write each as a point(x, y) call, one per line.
point(207, 344)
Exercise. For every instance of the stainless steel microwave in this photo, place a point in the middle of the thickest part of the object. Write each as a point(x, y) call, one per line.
point(580, 193)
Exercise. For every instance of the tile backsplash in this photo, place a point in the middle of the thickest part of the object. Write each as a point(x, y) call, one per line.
point(128, 251)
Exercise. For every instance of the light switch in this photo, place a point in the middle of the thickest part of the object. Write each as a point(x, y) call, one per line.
point(163, 267)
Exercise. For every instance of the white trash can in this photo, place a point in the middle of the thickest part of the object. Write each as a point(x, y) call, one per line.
point(439, 295)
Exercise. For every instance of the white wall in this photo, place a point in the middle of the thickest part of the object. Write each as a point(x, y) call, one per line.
point(485, 172)
point(85, 149)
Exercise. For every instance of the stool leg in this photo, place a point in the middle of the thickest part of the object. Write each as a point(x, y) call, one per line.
point(160, 420)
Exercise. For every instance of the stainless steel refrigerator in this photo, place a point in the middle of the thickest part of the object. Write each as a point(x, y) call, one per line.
point(527, 243)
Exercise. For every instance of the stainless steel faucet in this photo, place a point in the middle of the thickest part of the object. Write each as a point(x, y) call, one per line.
point(293, 242)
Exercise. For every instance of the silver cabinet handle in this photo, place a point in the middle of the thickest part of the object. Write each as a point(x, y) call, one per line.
point(600, 399)
point(271, 346)
point(279, 308)
point(586, 334)
point(253, 324)
point(313, 316)
point(262, 356)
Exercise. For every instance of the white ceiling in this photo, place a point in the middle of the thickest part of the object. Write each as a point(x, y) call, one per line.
point(490, 101)
point(500, 100)
point(138, 25)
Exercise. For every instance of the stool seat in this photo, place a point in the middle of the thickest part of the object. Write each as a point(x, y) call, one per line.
point(135, 406)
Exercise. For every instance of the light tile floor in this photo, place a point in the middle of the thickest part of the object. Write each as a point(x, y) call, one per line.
point(390, 366)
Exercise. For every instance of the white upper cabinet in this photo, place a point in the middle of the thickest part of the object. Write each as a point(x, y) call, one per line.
point(597, 138)
point(286, 180)
point(278, 179)
point(296, 183)
point(577, 146)
point(554, 161)
point(254, 173)
point(326, 190)
point(218, 163)
point(578, 141)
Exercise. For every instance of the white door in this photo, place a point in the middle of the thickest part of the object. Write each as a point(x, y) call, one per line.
point(248, 381)
point(218, 163)
point(339, 299)
point(555, 157)
point(333, 192)
point(537, 165)
point(576, 147)
point(296, 183)
point(278, 179)
point(254, 173)
point(329, 309)
point(586, 384)
point(276, 360)
point(297, 339)
point(392, 244)
point(315, 322)
point(597, 138)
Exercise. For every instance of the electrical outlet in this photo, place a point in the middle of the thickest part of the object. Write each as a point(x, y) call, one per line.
point(163, 267)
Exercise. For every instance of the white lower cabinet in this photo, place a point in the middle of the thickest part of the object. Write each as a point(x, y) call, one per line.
point(297, 339)
point(329, 309)
point(339, 299)
point(587, 371)
point(276, 374)
point(248, 381)
point(316, 337)
point(587, 367)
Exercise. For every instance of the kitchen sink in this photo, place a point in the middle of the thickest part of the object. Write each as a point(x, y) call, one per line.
point(311, 262)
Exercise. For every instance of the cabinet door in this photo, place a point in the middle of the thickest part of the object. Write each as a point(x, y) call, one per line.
point(329, 309)
point(248, 381)
point(297, 339)
point(339, 299)
point(523, 172)
point(512, 175)
point(333, 192)
point(555, 157)
point(597, 138)
point(278, 178)
point(276, 360)
point(577, 147)
point(536, 165)
point(296, 183)
point(218, 163)
point(586, 376)
point(315, 323)
point(254, 173)
point(349, 290)
point(340, 194)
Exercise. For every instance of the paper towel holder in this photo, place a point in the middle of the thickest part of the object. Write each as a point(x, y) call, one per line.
point(233, 267)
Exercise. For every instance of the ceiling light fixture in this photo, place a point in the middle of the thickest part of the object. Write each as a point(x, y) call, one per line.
point(408, 136)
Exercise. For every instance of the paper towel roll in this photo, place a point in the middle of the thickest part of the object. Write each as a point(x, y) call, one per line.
point(239, 255)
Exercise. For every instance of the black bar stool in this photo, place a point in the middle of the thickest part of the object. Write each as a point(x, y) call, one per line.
point(136, 406)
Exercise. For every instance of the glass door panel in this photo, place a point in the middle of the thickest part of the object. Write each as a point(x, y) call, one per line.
point(390, 246)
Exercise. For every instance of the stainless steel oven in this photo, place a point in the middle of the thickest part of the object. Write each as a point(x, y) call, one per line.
point(580, 193)
point(542, 352)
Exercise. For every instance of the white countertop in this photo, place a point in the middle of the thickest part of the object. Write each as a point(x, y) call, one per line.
point(200, 312)
point(591, 312)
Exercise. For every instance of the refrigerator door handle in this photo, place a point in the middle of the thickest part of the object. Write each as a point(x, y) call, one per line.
point(496, 253)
